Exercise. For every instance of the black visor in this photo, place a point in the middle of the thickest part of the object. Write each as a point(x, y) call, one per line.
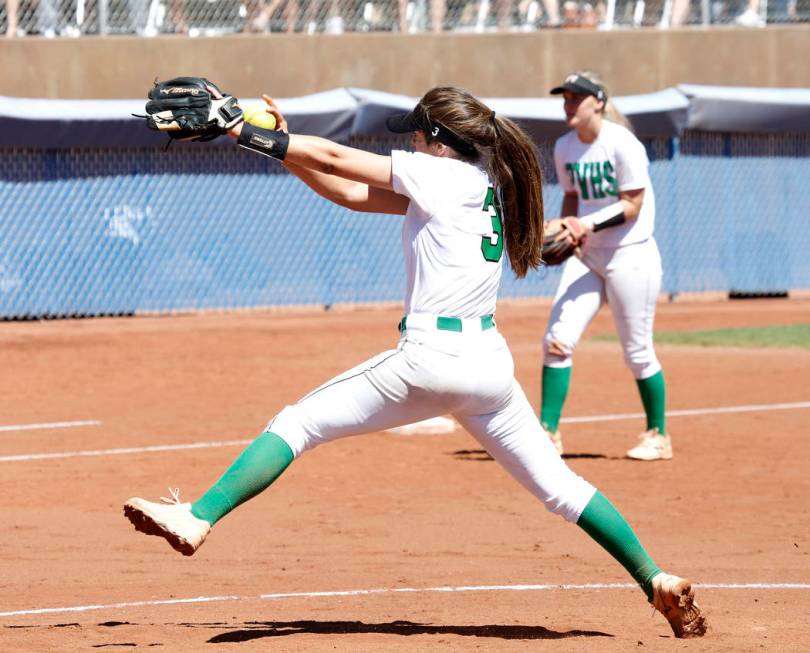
point(582, 85)
point(417, 120)
point(403, 123)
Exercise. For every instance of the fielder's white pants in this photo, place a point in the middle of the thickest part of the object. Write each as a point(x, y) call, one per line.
point(628, 279)
point(469, 375)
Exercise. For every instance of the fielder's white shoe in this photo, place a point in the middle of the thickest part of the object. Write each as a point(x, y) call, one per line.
point(674, 598)
point(652, 446)
point(170, 520)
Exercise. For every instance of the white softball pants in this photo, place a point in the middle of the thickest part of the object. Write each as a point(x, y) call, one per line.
point(628, 279)
point(469, 375)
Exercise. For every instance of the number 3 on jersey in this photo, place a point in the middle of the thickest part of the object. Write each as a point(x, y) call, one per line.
point(492, 245)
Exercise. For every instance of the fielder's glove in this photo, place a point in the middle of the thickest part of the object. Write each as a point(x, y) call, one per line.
point(561, 240)
point(191, 108)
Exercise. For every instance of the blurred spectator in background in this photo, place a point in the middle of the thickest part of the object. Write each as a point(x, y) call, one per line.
point(680, 13)
point(51, 18)
point(177, 14)
point(402, 15)
point(526, 14)
point(791, 10)
point(570, 14)
point(438, 9)
point(334, 22)
point(751, 17)
point(259, 15)
point(775, 11)
point(138, 11)
point(588, 16)
point(582, 16)
point(552, 8)
point(12, 9)
point(325, 15)
point(47, 18)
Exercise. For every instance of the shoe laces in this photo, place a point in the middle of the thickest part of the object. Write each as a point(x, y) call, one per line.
point(175, 497)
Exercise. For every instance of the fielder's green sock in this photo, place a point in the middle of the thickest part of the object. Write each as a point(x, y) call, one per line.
point(253, 471)
point(605, 524)
point(555, 389)
point(653, 392)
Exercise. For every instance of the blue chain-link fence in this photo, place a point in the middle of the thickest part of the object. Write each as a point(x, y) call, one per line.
point(128, 230)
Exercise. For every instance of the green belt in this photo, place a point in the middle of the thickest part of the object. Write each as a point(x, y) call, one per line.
point(452, 323)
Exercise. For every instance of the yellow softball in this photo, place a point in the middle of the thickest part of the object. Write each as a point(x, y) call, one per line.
point(258, 117)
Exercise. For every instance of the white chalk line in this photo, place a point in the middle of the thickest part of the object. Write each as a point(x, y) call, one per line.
point(393, 590)
point(751, 408)
point(230, 443)
point(124, 450)
point(49, 425)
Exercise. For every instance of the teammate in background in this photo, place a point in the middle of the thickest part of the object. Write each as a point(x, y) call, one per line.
point(470, 193)
point(603, 170)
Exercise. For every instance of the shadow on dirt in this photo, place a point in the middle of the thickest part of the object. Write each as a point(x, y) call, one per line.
point(588, 456)
point(482, 455)
point(260, 629)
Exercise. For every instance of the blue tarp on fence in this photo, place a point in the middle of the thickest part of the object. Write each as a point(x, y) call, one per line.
point(117, 226)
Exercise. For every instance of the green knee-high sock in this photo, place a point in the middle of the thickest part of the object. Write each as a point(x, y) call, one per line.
point(611, 531)
point(555, 389)
point(253, 471)
point(653, 392)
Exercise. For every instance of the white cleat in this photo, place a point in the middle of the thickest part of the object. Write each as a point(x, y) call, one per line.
point(170, 520)
point(674, 598)
point(652, 446)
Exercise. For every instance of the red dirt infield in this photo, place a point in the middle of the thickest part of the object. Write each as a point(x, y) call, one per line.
point(405, 515)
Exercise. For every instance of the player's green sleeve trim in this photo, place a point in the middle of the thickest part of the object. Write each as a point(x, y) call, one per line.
point(556, 381)
point(611, 531)
point(653, 391)
point(261, 463)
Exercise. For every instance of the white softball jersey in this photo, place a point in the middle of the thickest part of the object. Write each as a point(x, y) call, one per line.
point(616, 161)
point(442, 236)
point(451, 358)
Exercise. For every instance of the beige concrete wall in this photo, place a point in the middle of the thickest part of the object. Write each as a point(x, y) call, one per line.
point(632, 61)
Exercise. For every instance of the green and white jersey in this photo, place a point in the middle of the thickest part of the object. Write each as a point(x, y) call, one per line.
point(452, 236)
point(616, 161)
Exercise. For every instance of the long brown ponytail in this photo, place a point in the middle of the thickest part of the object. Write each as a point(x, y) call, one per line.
point(511, 161)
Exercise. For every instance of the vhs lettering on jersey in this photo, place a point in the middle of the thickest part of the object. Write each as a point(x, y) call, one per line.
point(599, 171)
point(595, 179)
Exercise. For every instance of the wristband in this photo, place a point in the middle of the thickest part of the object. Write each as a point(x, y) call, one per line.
point(615, 221)
point(264, 141)
point(609, 216)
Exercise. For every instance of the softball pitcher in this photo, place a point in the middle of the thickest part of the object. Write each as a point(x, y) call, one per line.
point(603, 170)
point(470, 194)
